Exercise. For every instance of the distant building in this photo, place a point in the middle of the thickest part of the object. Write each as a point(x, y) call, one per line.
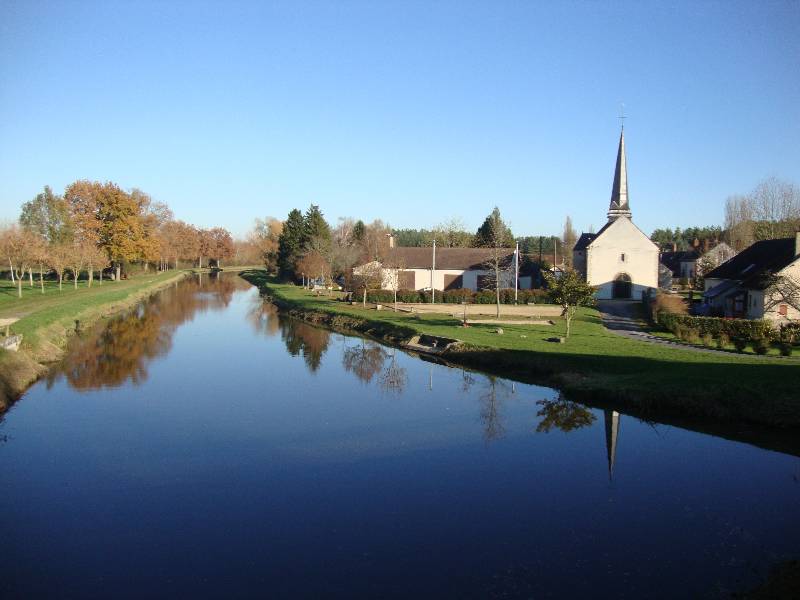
point(688, 264)
point(741, 287)
point(455, 268)
point(620, 260)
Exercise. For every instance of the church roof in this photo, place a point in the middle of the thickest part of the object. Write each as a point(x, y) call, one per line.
point(619, 206)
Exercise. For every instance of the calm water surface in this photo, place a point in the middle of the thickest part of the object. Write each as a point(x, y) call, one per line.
point(205, 446)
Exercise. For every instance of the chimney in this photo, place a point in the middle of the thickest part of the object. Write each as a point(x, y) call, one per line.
point(391, 240)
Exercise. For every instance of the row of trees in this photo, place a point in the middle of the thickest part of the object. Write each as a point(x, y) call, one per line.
point(94, 225)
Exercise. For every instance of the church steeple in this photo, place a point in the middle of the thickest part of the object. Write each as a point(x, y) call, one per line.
point(612, 431)
point(619, 192)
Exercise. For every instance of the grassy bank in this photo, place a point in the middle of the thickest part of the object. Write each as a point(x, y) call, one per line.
point(48, 319)
point(595, 365)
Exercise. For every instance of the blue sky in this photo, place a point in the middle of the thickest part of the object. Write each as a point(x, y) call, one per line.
point(408, 112)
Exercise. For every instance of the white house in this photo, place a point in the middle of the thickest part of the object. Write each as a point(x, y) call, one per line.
point(620, 260)
point(444, 269)
point(743, 286)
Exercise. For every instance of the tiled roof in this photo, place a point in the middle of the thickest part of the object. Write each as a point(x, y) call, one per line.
point(753, 265)
point(446, 258)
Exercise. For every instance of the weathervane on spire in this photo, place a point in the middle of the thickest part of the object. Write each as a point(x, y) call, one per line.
point(622, 116)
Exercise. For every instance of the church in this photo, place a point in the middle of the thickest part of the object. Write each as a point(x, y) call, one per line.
point(619, 260)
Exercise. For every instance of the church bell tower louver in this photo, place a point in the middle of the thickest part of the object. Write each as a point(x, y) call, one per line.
point(619, 206)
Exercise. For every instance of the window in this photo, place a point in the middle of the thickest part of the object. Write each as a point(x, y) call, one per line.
point(622, 257)
point(783, 310)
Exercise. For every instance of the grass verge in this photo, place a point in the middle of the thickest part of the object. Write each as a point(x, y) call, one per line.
point(595, 366)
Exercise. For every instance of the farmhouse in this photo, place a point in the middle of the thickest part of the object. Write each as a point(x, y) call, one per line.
point(445, 268)
point(761, 282)
point(620, 260)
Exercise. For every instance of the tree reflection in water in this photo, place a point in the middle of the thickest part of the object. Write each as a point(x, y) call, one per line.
point(563, 414)
point(394, 378)
point(108, 355)
point(364, 360)
point(496, 390)
point(300, 337)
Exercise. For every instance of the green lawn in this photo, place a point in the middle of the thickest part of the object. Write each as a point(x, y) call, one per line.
point(596, 361)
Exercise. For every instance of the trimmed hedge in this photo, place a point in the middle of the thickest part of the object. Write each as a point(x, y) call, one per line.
point(456, 296)
point(746, 329)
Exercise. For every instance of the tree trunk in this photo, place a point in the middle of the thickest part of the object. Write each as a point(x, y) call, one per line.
point(41, 277)
point(497, 287)
point(176, 264)
point(75, 279)
point(60, 279)
point(101, 276)
point(90, 271)
point(30, 274)
point(19, 284)
point(395, 300)
point(119, 272)
point(365, 297)
point(146, 266)
point(10, 264)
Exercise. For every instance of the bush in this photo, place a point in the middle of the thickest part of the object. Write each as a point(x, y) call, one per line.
point(760, 345)
point(456, 296)
point(733, 328)
point(670, 303)
point(691, 335)
point(786, 349)
point(740, 343)
point(707, 340)
point(722, 341)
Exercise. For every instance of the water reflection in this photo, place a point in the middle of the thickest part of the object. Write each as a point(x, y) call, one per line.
point(113, 353)
point(562, 414)
point(364, 360)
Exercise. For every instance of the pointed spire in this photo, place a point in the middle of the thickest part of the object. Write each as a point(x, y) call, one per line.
point(619, 192)
point(612, 430)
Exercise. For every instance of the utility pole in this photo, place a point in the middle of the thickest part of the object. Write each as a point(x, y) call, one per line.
point(516, 272)
point(433, 270)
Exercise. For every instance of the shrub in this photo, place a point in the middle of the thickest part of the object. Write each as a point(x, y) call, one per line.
point(691, 335)
point(733, 328)
point(760, 345)
point(670, 303)
point(707, 339)
point(786, 349)
point(723, 340)
point(458, 296)
point(740, 343)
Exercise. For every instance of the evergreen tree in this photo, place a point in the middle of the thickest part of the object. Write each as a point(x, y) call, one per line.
point(315, 226)
point(359, 231)
point(494, 232)
point(290, 243)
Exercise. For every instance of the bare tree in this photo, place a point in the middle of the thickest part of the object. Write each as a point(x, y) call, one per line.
point(494, 234)
point(368, 277)
point(782, 290)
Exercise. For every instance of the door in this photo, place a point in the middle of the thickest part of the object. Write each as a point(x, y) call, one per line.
point(622, 288)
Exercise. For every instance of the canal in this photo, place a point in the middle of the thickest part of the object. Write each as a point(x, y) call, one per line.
point(204, 445)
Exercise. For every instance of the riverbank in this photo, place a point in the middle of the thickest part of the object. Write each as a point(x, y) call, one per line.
point(595, 366)
point(47, 320)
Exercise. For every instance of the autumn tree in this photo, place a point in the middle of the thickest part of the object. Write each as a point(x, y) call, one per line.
point(18, 246)
point(570, 292)
point(220, 245)
point(58, 257)
point(265, 237)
